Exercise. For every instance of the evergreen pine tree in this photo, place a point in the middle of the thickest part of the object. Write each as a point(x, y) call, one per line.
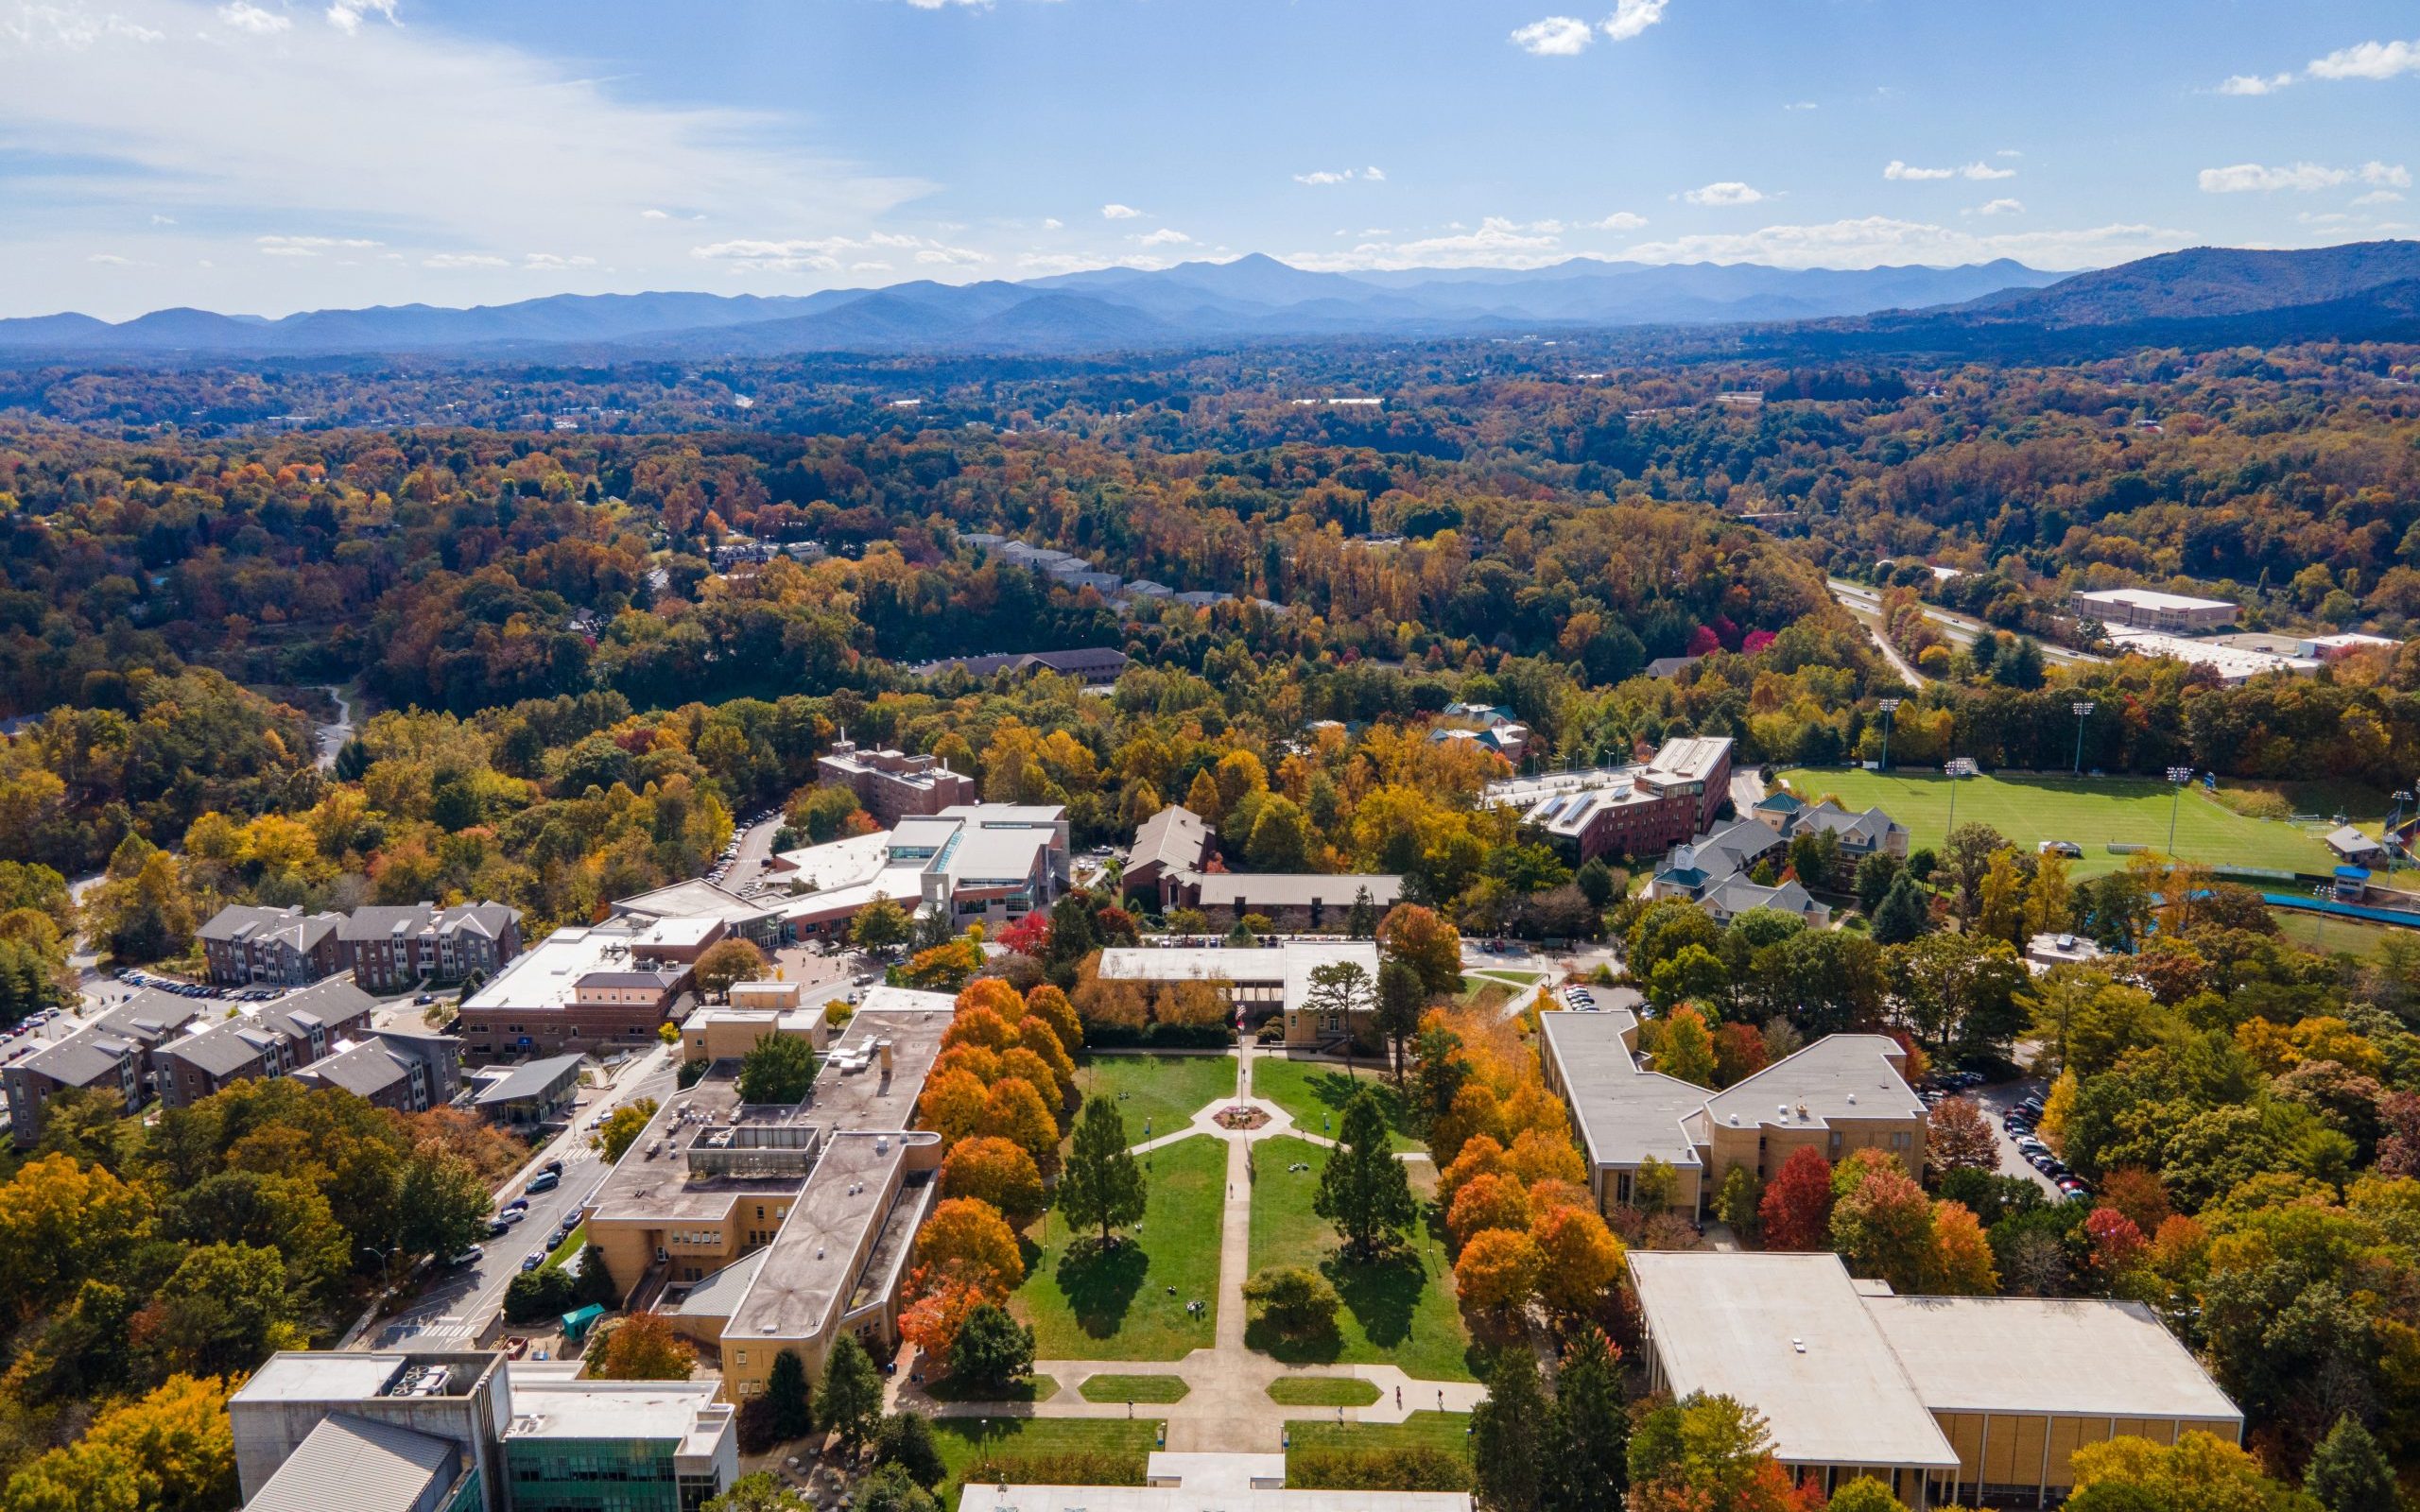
point(1363, 1191)
point(2348, 1473)
point(1102, 1182)
point(852, 1395)
point(790, 1399)
point(1903, 914)
point(1509, 1435)
point(1590, 1429)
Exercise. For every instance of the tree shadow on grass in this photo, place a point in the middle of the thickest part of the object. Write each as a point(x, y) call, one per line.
point(1100, 1284)
point(1382, 1294)
point(1333, 1090)
point(1324, 1345)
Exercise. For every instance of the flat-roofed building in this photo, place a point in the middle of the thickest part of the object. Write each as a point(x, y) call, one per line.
point(1633, 810)
point(1945, 1398)
point(430, 1432)
point(2153, 611)
point(1258, 981)
point(535, 1092)
point(576, 990)
point(986, 863)
point(782, 1227)
point(1842, 1094)
point(2233, 664)
point(1291, 901)
point(890, 784)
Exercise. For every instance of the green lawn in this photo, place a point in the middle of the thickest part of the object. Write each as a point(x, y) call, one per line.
point(1446, 1432)
point(1134, 1388)
point(2329, 936)
point(1044, 1451)
point(1323, 1391)
point(1486, 993)
point(570, 1246)
point(2092, 813)
point(1164, 1090)
point(1315, 1093)
point(1506, 973)
point(1397, 1311)
point(1088, 1304)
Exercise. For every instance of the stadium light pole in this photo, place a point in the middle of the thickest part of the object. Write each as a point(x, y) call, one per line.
point(2084, 711)
point(1890, 707)
point(1959, 766)
point(2179, 776)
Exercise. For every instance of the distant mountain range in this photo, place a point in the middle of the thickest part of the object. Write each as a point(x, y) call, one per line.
point(1253, 298)
point(2365, 290)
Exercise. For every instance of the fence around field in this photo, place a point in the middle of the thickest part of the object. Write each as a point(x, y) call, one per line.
point(2328, 905)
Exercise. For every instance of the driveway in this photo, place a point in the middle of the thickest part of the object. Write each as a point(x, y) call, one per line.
point(755, 849)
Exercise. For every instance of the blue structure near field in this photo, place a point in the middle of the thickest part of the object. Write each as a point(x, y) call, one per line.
point(2322, 905)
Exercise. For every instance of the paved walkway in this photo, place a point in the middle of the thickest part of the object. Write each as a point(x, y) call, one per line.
point(1227, 1408)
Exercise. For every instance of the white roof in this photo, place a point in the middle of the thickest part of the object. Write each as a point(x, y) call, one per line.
point(630, 1411)
point(543, 977)
point(1625, 1114)
point(1290, 965)
point(2149, 598)
point(1789, 1335)
point(839, 862)
point(2234, 664)
point(1839, 1077)
point(2020, 1354)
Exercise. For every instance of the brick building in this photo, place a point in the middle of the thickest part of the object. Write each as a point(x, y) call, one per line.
point(393, 949)
point(244, 944)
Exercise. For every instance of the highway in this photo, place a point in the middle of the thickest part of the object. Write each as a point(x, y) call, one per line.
point(1867, 602)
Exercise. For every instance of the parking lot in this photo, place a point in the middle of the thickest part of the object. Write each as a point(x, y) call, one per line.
point(1995, 1101)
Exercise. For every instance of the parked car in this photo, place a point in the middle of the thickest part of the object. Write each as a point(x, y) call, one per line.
point(498, 1228)
point(545, 1181)
point(552, 1168)
point(468, 1257)
point(533, 1260)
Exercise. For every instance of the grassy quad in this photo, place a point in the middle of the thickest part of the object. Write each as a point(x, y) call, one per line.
point(1044, 1451)
point(1166, 1089)
point(1446, 1432)
point(2091, 811)
point(1323, 1391)
point(1134, 1388)
point(1397, 1311)
point(2331, 937)
point(1316, 1092)
point(1087, 1304)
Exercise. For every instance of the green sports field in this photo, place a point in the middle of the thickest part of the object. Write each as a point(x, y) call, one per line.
point(2092, 812)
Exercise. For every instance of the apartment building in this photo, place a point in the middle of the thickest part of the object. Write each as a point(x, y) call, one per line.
point(244, 944)
point(400, 1070)
point(393, 949)
point(113, 1052)
point(893, 785)
point(275, 1041)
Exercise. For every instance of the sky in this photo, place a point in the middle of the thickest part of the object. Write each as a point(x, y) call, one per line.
point(268, 156)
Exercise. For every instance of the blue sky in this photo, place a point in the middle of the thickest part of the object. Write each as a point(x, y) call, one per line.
point(272, 155)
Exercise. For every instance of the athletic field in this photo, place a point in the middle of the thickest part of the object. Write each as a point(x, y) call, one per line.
point(2092, 812)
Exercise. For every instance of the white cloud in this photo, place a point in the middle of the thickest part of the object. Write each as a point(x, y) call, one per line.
point(244, 16)
point(1619, 220)
point(937, 4)
point(654, 214)
point(1118, 213)
point(2001, 207)
point(1375, 174)
point(939, 256)
point(2254, 83)
point(1802, 105)
point(826, 254)
point(1631, 17)
point(1729, 192)
point(2247, 178)
point(551, 262)
point(1498, 242)
point(1042, 264)
point(1876, 240)
point(345, 15)
point(112, 260)
point(310, 245)
point(69, 29)
point(1323, 177)
point(417, 136)
point(453, 260)
point(1165, 236)
point(1053, 223)
point(1896, 169)
point(2379, 197)
point(1554, 37)
point(2369, 60)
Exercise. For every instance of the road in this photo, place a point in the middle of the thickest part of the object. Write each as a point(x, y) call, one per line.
point(332, 736)
point(1867, 605)
point(755, 849)
point(1865, 601)
point(461, 1301)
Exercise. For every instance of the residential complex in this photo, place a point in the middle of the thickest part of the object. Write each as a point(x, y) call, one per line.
point(396, 1069)
point(112, 1054)
point(1943, 1398)
point(428, 1431)
point(1258, 981)
point(1633, 810)
point(298, 1029)
point(890, 784)
point(244, 944)
point(2144, 608)
point(1490, 728)
point(393, 949)
point(758, 1228)
point(1843, 1092)
point(1714, 870)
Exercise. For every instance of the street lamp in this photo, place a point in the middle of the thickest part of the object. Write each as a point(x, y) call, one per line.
point(2180, 776)
point(385, 1282)
point(2083, 711)
point(1889, 707)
